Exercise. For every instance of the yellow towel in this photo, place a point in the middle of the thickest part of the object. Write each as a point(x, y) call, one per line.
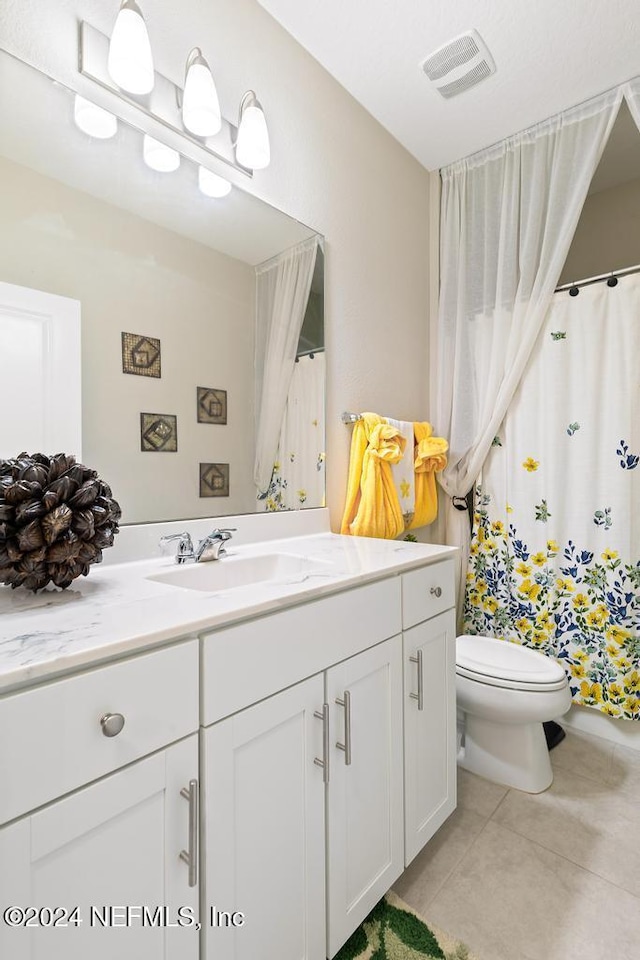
point(372, 508)
point(430, 458)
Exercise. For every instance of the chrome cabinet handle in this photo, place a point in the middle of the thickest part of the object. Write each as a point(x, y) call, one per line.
point(419, 696)
point(112, 724)
point(190, 857)
point(436, 591)
point(346, 746)
point(324, 763)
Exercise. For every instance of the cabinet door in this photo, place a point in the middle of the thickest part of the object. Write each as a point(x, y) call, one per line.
point(263, 810)
point(112, 846)
point(364, 814)
point(429, 729)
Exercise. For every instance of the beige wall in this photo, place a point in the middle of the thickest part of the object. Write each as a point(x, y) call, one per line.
point(333, 167)
point(608, 234)
point(131, 275)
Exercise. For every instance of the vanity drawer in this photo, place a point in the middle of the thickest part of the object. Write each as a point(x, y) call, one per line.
point(52, 739)
point(427, 592)
point(253, 660)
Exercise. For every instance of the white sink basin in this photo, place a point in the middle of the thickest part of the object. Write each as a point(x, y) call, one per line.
point(231, 572)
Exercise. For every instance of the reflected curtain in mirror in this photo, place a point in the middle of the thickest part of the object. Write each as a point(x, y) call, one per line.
point(299, 469)
point(283, 285)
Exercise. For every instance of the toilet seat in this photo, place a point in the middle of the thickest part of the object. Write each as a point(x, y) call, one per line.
point(499, 663)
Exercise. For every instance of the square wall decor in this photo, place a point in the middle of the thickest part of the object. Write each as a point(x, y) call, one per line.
point(214, 479)
point(158, 432)
point(212, 405)
point(140, 355)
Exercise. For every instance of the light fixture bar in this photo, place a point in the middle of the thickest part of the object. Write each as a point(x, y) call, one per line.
point(162, 105)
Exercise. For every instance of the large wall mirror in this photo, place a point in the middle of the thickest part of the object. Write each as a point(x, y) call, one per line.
point(174, 293)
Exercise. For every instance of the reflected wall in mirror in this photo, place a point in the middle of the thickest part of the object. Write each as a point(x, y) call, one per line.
point(146, 253)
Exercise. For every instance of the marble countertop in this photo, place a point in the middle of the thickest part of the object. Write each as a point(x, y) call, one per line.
point(117, 610)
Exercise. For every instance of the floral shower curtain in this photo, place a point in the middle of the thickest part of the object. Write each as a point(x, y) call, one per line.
point(299, 471)
point(555, 553)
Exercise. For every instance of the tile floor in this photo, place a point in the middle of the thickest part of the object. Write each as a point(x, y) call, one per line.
point(552, 876)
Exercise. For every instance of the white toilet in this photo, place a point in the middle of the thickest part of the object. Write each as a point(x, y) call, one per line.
point(505, 691)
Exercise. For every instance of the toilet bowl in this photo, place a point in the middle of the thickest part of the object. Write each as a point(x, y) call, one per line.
point(505, 692)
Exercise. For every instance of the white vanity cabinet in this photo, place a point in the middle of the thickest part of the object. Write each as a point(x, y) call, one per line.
point(365, 849)
point(264, 809)
point(429, 703)
point(115, 844)
point(263, 829)
point(318, 740)
point(268, 771)
point(279, 802)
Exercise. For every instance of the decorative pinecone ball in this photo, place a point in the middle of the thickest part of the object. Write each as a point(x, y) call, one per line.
point(56, 518)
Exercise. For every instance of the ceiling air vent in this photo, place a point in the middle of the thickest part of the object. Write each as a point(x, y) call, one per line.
point(459, 65)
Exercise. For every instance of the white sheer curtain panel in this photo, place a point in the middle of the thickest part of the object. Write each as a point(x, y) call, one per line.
point(282, 291)
point(508, 215)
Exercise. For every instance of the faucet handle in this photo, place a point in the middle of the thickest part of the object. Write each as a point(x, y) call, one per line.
point(185, 545)
point(223, 533)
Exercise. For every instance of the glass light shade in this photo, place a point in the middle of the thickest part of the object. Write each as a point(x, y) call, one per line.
point(93, 120)
point(212, 185)
point(252, 149)
point(159, 156)
point(130, 63)
point(200, 104)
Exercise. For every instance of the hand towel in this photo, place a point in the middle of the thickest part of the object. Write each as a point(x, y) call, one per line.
point(372, 508)
point(430, 458)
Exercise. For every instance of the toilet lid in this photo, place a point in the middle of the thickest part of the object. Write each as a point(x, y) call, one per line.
point(488, 659)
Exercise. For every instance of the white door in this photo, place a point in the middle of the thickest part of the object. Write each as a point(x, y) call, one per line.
point(429, 729)
point(263, 808)
point(40, 376)
point(365, 810)
point(108, 847)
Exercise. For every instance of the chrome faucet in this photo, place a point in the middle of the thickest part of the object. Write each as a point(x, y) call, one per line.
point(185, 546)
point(212, 547)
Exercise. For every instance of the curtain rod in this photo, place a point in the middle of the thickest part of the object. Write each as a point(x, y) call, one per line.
point(309, 353)
point(614, 274)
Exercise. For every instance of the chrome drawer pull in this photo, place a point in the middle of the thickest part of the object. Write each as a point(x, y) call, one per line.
point(112, 724)
point(346, 746)
point(190, 857)
point(324, 763)
point(419, 696)
point(436, 591)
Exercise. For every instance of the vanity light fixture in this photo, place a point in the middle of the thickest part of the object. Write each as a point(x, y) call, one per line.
point(123, 66)
point(93, 120)
point(252, 146)
point(200, 105)
point(159, 156)
point(130, 62)
point(212, 185)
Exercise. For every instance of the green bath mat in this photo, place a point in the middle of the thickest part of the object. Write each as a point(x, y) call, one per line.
point(392, 931)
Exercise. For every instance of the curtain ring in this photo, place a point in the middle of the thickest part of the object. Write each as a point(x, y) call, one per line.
point(460, 503)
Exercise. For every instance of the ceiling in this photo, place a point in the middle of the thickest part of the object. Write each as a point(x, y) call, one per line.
point(549, 56)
